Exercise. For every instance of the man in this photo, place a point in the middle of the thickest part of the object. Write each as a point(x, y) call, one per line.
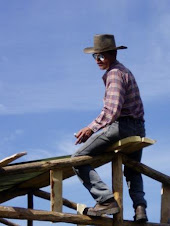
point(121, 116)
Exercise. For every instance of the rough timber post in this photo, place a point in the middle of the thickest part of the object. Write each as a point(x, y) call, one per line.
point(30, 206)
point(117, 184)
point(56, 177)
point(165, 204)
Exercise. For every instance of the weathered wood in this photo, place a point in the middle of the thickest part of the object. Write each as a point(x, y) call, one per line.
point(30, 206)
point(12, 193)
point(53, 164)
point(66, 162)
point(46, 195)
point(117, 185)
point(6, 222)
point(29, 214)
point(165, 204)
point(130, 144)
point(56, 177)
point(148, 171)
point(44, 179)
point(11, 158)
point(132, 223)
point(25, 214)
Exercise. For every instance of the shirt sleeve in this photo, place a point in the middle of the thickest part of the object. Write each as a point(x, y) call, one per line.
point(113, 101)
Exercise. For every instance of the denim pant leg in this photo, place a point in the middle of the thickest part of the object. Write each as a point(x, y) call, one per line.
point(135, 182)
point(87, 174)
point(133, 178)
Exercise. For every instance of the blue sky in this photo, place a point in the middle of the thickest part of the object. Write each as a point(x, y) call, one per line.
point(50, 89)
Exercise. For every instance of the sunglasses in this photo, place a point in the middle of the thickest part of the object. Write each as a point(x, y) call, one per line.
point(98, 56)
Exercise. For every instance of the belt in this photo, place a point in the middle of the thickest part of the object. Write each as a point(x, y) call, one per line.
point(130, 118)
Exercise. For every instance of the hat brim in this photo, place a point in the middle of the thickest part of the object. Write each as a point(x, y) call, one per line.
point(93, 50)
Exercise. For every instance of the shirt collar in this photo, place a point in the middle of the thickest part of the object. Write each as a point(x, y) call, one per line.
point(110, 68)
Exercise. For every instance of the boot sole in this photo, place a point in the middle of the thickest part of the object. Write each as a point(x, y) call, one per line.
point(141, 219)
point(100, 212)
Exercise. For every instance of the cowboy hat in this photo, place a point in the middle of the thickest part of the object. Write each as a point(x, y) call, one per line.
point(103, 43)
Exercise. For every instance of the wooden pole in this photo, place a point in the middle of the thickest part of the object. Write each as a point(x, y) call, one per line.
point(51, 216)
point(165, 204)
point(146, 170)
point(46, 195)
point(30, 206)
point(6, 222)
point(39, 215)
point(124, 145)
point(117, 184)
point(55, 164)
point(56, 177)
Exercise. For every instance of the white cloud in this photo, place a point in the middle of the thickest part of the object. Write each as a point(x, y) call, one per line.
point(37, 153)
point(6, 139)
point(42, 97)
point(66, 146)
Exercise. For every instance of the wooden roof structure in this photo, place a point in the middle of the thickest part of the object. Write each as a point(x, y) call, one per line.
point(28, 177)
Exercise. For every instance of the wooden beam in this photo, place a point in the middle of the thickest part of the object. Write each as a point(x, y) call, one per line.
point(39, 215)
point(132, 223)
point(148, 171)
point(56, 177)
point(51, 216)
point(43, 166)
point(30, 206)
point(6, 222)
point(46, 195)
point(11, 158)
point(12, 193)
point(54, 164)
point(165, 204)
point(117, 184)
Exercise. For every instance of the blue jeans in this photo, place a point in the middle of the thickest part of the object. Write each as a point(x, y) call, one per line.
point(96, 145)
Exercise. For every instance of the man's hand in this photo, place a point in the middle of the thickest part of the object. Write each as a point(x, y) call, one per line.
point(83, 135)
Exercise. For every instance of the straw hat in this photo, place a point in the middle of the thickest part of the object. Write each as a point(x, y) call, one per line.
point(103, 43)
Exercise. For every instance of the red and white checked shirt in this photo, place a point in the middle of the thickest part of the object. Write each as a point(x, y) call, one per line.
point(122, 97)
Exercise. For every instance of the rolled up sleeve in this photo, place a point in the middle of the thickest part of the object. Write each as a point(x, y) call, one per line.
point(113, 101)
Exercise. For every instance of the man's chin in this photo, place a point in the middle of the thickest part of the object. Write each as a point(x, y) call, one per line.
point(101, 67)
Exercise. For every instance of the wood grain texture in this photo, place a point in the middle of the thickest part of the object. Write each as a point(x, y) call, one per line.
point(117, 185)
point(56, 177)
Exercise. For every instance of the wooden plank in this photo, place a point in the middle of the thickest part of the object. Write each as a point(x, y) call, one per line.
point(117, 185)
point(165, 204)
point(146, 170)
point(11, 158)
point(56, 177)
point(131, 144)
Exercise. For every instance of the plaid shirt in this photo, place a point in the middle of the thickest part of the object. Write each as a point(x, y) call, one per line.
point(122, 97)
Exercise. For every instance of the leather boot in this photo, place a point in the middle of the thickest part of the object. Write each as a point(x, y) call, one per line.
point(108, 207)
point(140, 214)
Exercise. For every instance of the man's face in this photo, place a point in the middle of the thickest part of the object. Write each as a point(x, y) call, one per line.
point(104, 60)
